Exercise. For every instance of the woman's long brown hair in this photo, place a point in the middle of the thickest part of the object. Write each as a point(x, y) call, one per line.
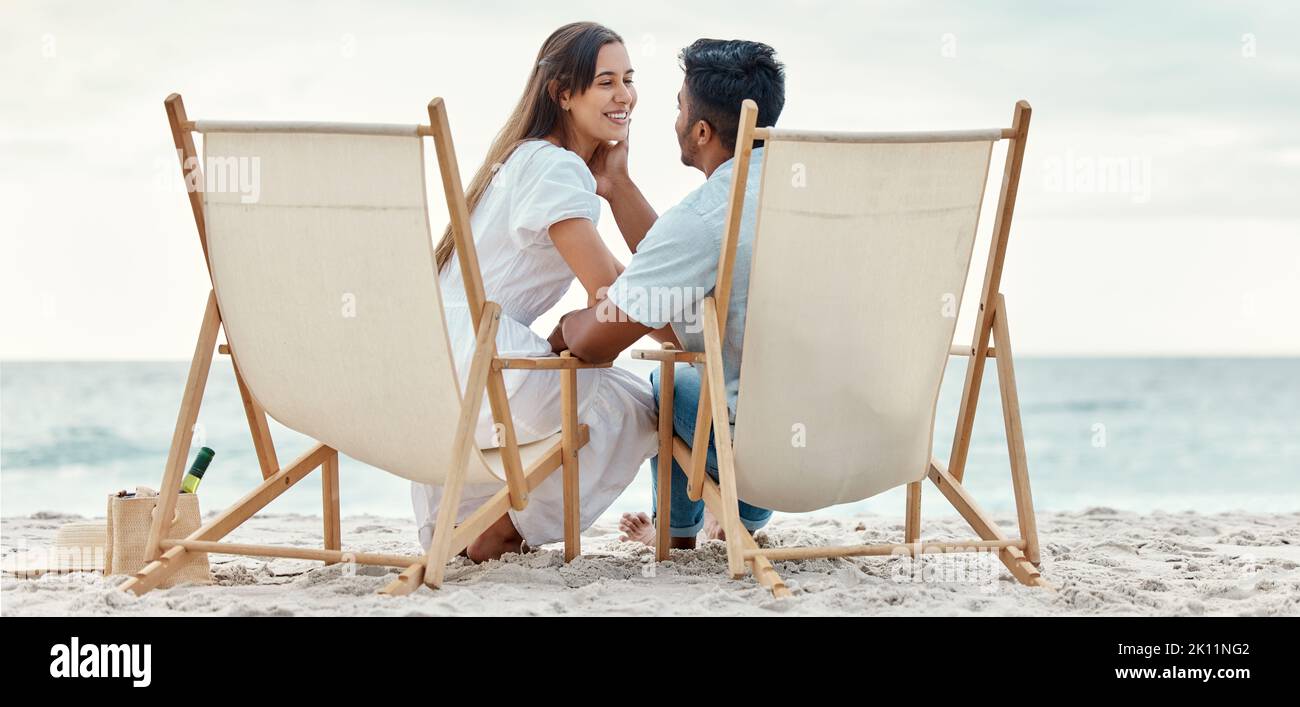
point(566, 61)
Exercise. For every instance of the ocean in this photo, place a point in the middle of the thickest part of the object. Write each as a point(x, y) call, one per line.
point(1141, 434)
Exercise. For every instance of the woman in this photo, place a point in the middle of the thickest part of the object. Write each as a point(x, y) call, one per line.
point(534, 209)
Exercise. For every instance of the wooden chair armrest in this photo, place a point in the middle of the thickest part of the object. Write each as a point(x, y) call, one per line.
point(668, 355)
point(545, 362)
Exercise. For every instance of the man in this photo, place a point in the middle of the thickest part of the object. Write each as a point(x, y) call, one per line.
point(675, 256)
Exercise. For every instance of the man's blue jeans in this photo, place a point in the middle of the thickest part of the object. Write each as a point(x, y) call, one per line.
point(686, 517)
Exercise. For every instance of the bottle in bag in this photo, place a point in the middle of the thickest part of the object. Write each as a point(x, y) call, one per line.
point(190, 483)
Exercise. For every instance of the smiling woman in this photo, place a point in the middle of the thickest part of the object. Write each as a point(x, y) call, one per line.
point(578, 95)
point(601, 112)
point(533, 219)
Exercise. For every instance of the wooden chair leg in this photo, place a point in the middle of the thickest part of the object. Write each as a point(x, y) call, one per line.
point(191, 399)
point(965, 505)
point(330, 501)
point(912, 522)
point(462, 446)
point(569, 428)
point(408, 581)
point(1015, 433)
point(762, 567)
point(695, 473)
point(663, 502)
point(508, 443)
point(439, 547)
point(258, 426)
point(717, 387)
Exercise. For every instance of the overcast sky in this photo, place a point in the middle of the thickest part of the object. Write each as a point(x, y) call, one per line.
point(1196, 103)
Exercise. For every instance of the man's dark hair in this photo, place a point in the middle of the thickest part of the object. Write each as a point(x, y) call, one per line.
point(720, 73)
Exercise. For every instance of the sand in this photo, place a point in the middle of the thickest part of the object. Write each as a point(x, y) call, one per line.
point(1104, 562)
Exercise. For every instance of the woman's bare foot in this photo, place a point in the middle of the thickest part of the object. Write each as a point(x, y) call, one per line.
point(500, 538)
point(637, 527)
point(712, 528)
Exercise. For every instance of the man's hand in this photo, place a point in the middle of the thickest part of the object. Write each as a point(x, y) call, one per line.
point(609, 167)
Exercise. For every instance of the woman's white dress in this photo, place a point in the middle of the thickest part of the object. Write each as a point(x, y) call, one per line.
point(539, 185)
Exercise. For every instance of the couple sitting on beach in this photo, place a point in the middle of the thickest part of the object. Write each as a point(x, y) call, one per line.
point(534, 206)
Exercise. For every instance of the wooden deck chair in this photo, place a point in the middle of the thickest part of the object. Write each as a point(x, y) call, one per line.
point(862, 250)
point(323, 279)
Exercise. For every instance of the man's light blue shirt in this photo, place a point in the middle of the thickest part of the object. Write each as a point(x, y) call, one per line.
point(676, 266)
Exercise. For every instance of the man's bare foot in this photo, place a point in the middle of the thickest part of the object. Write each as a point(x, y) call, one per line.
point(712, 528)
point(637, 527)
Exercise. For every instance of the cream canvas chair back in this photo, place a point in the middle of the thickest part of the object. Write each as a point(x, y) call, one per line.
point(843, 362)
point(319, 246)
point(860, 254)
point(316, 237)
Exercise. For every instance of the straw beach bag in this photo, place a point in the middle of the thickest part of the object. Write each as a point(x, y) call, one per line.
point(129, 519)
